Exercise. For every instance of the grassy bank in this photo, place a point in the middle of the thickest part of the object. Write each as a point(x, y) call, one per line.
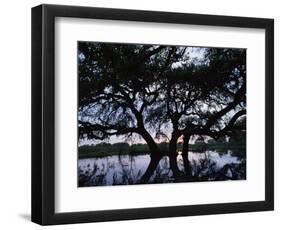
point(219, 147)
point(105, 149)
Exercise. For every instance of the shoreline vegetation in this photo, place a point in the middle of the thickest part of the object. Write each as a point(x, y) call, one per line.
point(106, 149)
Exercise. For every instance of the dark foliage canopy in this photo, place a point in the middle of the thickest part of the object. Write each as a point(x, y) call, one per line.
point(165, 90)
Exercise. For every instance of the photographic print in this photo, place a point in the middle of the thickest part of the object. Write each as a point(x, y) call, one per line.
point(149, 103)
point(150, 114)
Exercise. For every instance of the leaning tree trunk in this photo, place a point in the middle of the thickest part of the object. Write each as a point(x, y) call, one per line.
point(185, 150)
point(155, 157)
point(154, 161)
point(173, 156)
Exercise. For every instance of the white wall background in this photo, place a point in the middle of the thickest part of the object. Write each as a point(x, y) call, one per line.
point(15, 113)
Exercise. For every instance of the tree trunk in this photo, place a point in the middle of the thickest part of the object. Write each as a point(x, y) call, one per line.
point(185, 150)
point(155, 156)
point(173, 155)
point(154, 160)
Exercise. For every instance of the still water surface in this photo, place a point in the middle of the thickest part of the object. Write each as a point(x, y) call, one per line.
point(126, 169)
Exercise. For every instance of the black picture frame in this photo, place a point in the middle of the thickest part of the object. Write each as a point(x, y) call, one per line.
point(43, 110)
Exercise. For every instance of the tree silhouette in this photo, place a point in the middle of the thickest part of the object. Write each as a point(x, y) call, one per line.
point(161, 90)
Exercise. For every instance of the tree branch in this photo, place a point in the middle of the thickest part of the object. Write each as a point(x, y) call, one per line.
point(225, 130)
point(105, 130)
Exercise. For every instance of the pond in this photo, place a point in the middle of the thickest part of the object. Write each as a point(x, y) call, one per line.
point(127, 169)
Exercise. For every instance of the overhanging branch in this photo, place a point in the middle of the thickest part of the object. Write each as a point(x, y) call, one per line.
point(105, 131)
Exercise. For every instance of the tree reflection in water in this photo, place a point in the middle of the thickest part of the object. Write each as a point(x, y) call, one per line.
point(127, 169)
